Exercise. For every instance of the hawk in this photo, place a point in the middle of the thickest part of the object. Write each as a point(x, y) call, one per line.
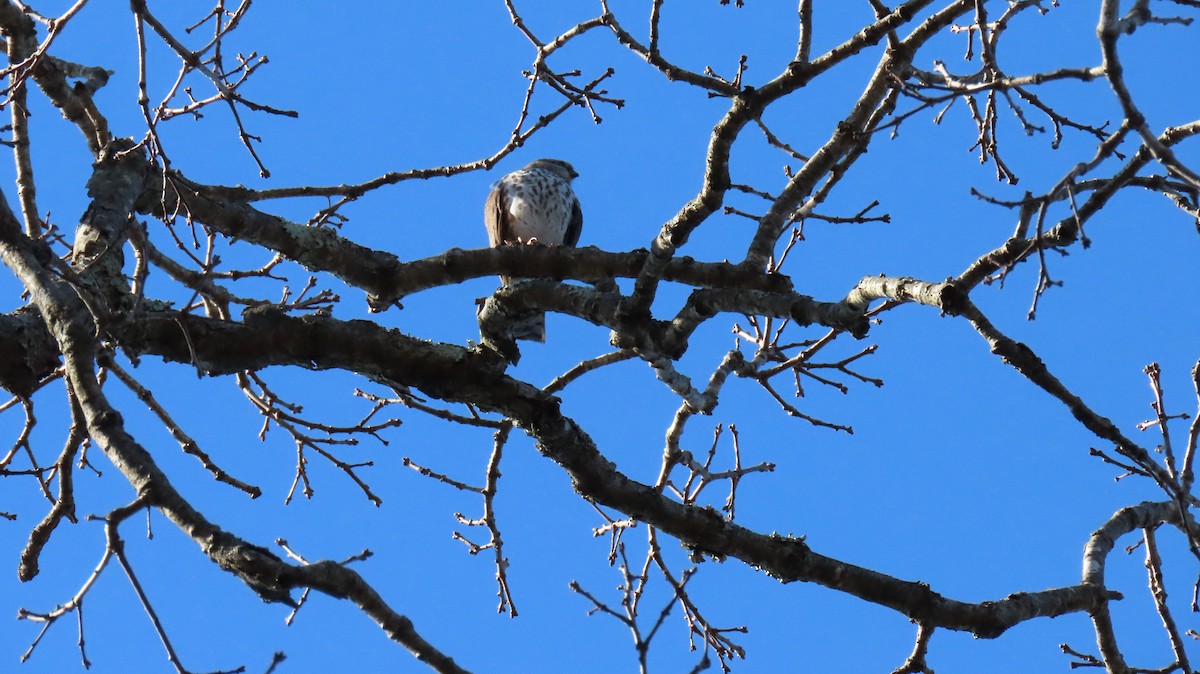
point(534, 205)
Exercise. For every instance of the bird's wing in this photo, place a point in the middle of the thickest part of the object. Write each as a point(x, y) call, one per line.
point(495, 216)
point(575, 226)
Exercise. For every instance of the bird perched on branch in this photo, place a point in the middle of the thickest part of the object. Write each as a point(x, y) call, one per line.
point(534, 205)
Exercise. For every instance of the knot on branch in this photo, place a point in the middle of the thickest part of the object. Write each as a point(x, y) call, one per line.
point(256, 566)
point(31, 352)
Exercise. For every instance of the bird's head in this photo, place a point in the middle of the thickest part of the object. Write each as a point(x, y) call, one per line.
point(558, 167)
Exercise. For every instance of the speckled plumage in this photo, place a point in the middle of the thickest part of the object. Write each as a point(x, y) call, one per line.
point(534, 205)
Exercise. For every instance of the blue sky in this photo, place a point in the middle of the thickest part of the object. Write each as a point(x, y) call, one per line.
point(960, 473)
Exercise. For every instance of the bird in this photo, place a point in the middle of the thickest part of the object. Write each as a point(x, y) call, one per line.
point(534, 205)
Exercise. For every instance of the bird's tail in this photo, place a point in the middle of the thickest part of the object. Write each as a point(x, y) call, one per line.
point(531, 329)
